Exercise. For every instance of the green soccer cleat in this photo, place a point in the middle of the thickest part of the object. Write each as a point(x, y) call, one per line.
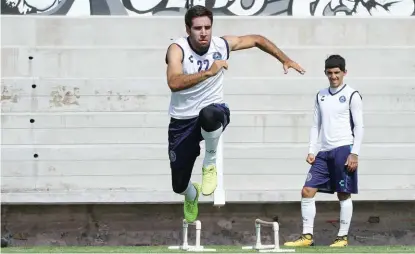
point(209, 180)
point(191, 209)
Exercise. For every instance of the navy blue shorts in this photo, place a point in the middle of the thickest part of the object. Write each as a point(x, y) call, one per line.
point(329, 174)
point(184, 142)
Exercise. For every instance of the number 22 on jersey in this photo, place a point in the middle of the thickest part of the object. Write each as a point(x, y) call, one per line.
point(201, 65)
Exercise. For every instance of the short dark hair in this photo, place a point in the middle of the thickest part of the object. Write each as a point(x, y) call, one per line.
point(197, 11)
point(335, 61)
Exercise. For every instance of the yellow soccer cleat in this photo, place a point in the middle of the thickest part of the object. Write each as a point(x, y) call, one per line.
point(191, 209)
point(340, 241)
point(304, 240)
point(209, 180)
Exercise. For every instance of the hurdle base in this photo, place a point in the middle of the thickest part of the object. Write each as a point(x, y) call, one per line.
point(190, 248)
point(219, 198)
point(267, 248)
point(185, 244)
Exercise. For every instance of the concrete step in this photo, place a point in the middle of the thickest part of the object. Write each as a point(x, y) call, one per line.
point(159, 31)
point(149, 62)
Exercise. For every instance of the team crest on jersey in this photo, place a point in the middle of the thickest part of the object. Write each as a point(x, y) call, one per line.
point(217, 56)
point(342, 99)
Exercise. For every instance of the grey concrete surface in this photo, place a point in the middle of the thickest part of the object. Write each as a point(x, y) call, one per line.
point(133, 31)
point(94, 126)
point(375, 223)
point(143, 62)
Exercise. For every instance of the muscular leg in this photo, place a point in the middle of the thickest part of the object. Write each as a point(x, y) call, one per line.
point(213, 119)
point(317, 180)
point(346, 212)
point(182, 185)
point(181, 181)
point(308, 208)
point(346, 184)
point(183, 150)
point(184, 139)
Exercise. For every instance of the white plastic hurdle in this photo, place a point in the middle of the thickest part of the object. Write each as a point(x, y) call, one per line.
point(185, 245)
point(219, 198)
point(267, 248)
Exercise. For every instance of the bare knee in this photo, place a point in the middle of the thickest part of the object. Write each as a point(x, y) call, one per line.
point(308, 192)
point(343, 196)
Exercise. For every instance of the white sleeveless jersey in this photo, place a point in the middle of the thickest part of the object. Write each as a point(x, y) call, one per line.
point(336, 118)
point(186, 104)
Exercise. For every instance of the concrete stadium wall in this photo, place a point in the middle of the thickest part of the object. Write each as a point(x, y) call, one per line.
point(84, 107)
point(373, 223)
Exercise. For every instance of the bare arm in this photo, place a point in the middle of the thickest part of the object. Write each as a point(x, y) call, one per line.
point(249, 41)
point(315, 128)
point(259, 41)
point(176, 80)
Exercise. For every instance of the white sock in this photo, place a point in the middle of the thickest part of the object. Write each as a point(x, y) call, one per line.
point(211, 144)
point(308, 212)
point(346, 212)
point(190, 193)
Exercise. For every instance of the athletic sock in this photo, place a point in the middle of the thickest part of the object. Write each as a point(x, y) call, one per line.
point(346, 212)
point(308, 212)
point(190, 192)
point(211, 145)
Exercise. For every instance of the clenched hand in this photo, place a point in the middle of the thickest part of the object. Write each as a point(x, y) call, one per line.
point(216, 66)
point(352, 162)
point(310, 158)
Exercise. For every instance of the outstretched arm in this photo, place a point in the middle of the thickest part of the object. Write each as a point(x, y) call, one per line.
point(249, 41)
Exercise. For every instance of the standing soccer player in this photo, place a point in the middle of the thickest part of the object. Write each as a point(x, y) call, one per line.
point(338, 119)
point(195, 71)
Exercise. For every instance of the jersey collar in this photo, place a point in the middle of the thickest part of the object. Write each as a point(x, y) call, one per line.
point(338, 91)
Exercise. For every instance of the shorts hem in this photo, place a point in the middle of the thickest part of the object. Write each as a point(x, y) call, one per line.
point(336, 191)
point(348, 192)
point(326, 191)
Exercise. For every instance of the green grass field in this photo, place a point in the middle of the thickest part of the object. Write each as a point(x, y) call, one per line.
point(219, 249)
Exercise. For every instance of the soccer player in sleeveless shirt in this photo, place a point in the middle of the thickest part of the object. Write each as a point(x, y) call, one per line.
point(338, 118)
point(195, 71)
